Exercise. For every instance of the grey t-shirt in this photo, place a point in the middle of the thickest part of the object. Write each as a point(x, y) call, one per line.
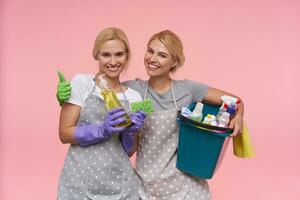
point(185, 92)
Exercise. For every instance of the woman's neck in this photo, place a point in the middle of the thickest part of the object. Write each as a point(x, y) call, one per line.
point(113, 83)
point(160, 84)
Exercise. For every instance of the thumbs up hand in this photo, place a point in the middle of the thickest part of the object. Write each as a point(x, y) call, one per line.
point(63, 89)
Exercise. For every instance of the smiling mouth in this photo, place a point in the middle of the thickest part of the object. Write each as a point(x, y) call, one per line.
point(153, 67)
point(113, 68)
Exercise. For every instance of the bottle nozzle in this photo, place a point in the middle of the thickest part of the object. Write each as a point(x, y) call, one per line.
point(102, 81)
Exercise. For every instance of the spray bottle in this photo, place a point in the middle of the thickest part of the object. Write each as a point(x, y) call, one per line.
point(230, 103)
point(111, 99)
point(227, 109)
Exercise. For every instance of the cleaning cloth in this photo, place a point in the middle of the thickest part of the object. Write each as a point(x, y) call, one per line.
point(242, 146)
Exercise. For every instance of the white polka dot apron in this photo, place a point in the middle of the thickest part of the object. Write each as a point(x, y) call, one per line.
point(156, 161)
point(99, 171)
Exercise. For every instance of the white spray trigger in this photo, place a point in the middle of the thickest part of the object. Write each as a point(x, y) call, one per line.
point(102, 81)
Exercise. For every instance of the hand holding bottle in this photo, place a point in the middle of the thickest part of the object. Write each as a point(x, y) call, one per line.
point(94, 133)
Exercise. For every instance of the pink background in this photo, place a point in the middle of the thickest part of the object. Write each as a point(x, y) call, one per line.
point(250, 48)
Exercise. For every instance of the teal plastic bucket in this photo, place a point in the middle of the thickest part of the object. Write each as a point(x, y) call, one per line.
point(201, 147)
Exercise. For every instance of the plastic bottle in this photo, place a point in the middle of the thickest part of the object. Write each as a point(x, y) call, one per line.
point(197, 115)
point(185, 111)
point(210, 119)
point(223, 119)
point(222, 109)
point(111, 99)
point(207, 119)
point(231, 103)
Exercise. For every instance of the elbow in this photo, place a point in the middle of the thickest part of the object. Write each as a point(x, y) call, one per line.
point(62, 138)
point(66, 136)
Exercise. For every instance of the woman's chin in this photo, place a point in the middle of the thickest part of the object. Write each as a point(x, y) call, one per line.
point(112, 74)
point(152, 72)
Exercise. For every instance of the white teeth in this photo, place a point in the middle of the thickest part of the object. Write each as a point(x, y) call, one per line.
point(153, 66)
point(112, 68)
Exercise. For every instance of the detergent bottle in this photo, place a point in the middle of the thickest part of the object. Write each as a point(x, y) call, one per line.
point(197, 115)
point(111, 99)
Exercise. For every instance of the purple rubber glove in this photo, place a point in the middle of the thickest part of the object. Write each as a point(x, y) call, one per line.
point(91, 134)
point(127, 136)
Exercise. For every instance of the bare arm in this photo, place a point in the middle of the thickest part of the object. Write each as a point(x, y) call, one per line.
point(213, 96)
point(69, 116)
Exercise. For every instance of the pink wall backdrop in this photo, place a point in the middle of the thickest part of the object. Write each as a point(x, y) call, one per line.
point(250, 48)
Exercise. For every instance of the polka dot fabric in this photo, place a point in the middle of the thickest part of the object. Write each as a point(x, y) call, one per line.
point(99, 171)
point(156, 162)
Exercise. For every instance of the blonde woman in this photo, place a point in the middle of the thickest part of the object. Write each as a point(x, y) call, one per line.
point(96, 166)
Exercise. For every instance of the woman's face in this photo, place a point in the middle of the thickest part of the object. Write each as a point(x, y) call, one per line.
point(158, 60)
point(112, 58)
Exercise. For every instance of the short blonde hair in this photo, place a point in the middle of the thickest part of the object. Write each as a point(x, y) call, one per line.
point(110, 33)
point(174, 45)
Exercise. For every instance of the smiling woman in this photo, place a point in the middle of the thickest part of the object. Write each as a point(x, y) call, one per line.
point(112, 58)
point(111, 49)
point(158, 61)
point(97, 166)
point(157, 148)
point(167, 46)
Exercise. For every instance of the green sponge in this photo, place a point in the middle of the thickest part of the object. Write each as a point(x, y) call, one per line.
point(145, 105)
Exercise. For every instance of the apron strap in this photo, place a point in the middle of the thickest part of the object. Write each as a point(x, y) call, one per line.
point(173, 95)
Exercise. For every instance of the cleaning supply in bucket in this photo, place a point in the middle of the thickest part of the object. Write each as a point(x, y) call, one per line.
point(111, 99)
point(228, 108)
point(210, 119)
point(197, 115)
point(229, 104)
point(223, 119)
point(186, 111)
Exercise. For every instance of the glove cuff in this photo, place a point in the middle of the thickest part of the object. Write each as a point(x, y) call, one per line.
point(87, 135)
point(127, 141)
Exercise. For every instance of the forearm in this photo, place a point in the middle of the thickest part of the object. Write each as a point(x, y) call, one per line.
point(214, 95)
point(69, 116)
point(67, 135)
